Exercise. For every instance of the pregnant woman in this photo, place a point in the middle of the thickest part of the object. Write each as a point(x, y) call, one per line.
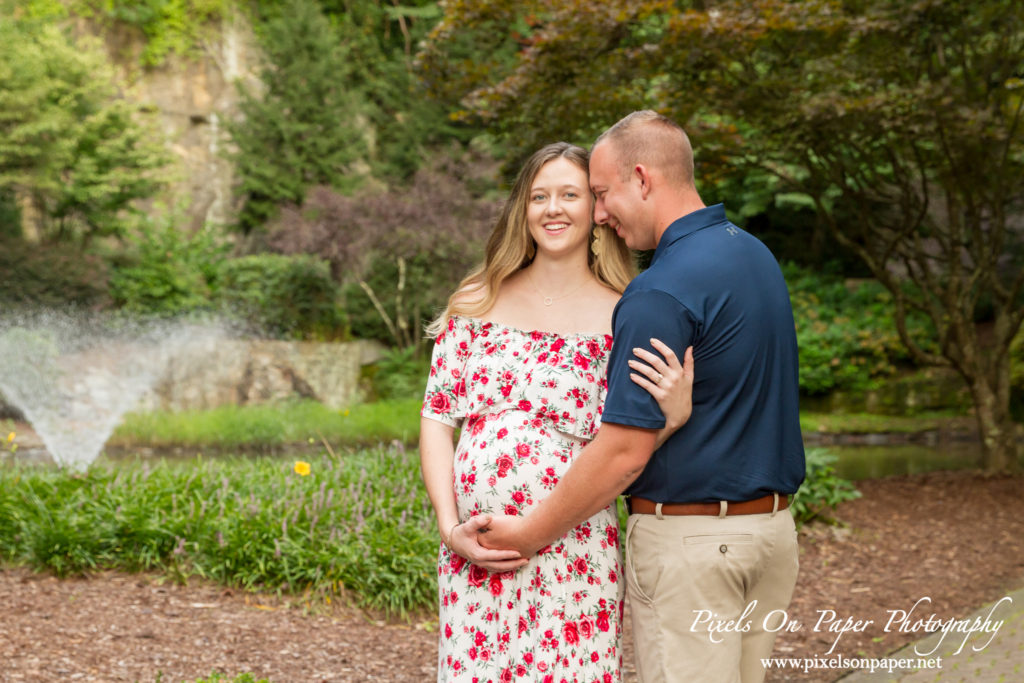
point(519, 365)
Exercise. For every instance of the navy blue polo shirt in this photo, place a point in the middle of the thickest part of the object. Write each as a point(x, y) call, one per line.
point(718, 288)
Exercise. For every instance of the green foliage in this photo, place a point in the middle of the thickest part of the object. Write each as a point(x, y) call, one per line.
point(401, 251)
point(50, 276)
point(307, 127)
point(80, 155)
point(170, 271)
point(169, 26)
point(846, 333)
point(425, 290)
point(269, 427)
point(359, 526)
point(286, 296)
point(382, 40)
point(10, 216)
point(400, 374)
point(898, 121)
point(822, 489)
point(216, 677)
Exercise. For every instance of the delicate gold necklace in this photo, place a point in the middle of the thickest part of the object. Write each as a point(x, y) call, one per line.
point(548, 300)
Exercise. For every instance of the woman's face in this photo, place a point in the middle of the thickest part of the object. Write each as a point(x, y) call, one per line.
point(559, 208)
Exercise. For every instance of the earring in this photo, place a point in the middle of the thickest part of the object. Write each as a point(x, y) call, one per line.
point(595, 241)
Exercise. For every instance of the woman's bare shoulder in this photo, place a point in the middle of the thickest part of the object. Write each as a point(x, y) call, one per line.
point(470, 294)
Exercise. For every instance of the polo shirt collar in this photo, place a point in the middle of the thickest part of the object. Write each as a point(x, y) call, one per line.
point(688, 224)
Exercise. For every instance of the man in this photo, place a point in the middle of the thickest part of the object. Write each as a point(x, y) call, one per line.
point(708, 539)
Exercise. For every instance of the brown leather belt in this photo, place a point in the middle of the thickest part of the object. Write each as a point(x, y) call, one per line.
point(758, 506)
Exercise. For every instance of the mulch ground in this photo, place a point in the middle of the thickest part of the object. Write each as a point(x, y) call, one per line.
point(954, 537)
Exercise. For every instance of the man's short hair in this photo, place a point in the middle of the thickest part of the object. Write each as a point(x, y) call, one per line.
point(646, 137)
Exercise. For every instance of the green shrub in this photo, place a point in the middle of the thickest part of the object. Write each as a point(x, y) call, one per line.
point(306, 125)
point(822, 489)
point(846, 333)
point(216, 677)
point(400, 373)
point(287, 296)
point(50, 275)
point(425, 292)
point(359, 526)
point(169, 271)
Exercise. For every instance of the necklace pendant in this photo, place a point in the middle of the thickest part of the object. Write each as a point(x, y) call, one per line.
point(548, 301)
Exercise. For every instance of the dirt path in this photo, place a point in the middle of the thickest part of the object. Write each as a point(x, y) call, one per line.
point(955, 537)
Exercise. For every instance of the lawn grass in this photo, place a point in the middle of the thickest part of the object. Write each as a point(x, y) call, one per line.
point(253, 427)
point(867, 423)
point(383, 422)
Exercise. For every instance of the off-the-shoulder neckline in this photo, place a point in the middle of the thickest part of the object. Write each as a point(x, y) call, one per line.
point(544, 333)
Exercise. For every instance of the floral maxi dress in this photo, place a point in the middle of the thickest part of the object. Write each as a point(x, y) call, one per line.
point(527, 403)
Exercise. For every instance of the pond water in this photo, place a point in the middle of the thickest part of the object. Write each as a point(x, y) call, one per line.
point(875, 461)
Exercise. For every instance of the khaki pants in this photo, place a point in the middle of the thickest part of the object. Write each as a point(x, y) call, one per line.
point(677, 566)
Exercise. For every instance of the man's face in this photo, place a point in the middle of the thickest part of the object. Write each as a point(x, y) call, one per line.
point(618, 203)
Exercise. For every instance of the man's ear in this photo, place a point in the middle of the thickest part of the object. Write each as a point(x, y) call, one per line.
point(641, 173)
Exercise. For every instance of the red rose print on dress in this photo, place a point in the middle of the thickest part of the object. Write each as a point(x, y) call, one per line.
point(477, 575)
point(586, 625)
point(505, 463)
point(440, 403)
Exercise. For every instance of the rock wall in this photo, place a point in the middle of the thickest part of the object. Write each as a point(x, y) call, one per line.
point(192, 95)
point(234, 372)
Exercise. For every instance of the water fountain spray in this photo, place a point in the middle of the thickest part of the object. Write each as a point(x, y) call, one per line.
point(74, 375)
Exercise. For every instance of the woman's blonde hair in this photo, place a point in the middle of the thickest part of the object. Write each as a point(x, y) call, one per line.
point(510, 247)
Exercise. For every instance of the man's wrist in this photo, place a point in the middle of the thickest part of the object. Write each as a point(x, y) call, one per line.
point(532, 540)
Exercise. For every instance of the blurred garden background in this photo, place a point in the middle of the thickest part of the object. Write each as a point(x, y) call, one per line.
point(325, 171)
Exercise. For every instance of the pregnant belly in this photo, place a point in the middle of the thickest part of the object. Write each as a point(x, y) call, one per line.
point(506, 463)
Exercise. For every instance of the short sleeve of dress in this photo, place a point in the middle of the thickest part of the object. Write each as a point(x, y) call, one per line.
point(445, 396)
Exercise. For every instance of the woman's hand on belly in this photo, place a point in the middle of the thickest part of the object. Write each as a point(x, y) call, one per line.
point(464, 540)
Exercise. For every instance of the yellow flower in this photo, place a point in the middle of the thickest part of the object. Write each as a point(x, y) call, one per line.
point(10, 437)
point(301, 467)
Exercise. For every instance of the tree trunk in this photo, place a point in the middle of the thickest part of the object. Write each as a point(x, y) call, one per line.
point(1000, 450)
